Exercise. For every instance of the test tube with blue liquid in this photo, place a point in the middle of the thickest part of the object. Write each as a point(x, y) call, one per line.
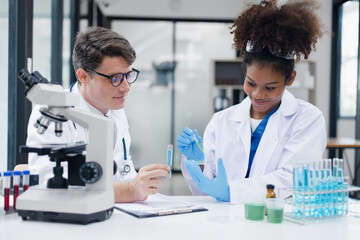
point(169, 160)
point(334, 186)
point(329, 208)
point(297, 196)
point(306, 188)
point(340, 186)
point(312, 188)
point(317, 210)
point(345, 195)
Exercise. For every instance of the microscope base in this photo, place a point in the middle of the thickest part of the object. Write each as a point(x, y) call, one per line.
point(65, 205)
point(65, 217)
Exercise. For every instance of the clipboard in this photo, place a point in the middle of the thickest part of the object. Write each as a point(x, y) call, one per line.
point(158, 205)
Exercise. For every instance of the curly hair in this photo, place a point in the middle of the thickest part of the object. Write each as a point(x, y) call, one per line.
point(291, 28)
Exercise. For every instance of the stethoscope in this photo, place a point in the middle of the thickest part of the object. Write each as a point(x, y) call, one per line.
point(124, 166)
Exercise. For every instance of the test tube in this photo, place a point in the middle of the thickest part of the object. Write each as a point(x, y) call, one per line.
point(341, 170)
point(169, 158)
point(312, 188)
point(16, 184)
point(325, 197)
point(197, 142)
point(335, 167)
point(7, 176)
point(345, 195)
point(317, 210)
point(306, 188)
point(26, 180)
point(297, 196)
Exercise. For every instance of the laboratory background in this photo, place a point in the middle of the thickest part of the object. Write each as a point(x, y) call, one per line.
point(189, 70)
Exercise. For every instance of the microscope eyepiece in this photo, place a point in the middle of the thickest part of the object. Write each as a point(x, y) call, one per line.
point(31, 79)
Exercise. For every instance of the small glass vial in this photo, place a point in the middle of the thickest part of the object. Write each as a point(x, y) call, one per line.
point(270, 193)
point(7, 176)
point(26, 179)
point(16, 185)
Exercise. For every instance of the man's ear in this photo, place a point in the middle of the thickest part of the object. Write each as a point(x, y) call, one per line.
point(291, 78)
point(82, 75)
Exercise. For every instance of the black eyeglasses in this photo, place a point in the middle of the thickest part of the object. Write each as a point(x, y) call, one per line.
point(117, 78)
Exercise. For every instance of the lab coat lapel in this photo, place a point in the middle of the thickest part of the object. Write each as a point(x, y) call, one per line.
point(270, 137)
point(266, 147)
point(242, 117)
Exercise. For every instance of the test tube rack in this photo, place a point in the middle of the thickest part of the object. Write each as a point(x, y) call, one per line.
point(313, 206)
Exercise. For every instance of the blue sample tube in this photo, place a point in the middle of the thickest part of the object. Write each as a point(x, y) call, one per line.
point(305, 189)
point(345, 195)
point(312, 189)
point(335, 163)
point(169, 160)
point(328, 187)
point(297, 196)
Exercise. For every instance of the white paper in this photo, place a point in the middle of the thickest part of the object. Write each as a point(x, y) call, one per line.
point(157, 204)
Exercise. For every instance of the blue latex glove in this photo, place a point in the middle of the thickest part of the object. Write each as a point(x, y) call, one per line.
point(217, 187)
point(188, 146)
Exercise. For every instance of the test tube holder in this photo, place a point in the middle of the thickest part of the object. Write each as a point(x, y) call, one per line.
point(302, 213)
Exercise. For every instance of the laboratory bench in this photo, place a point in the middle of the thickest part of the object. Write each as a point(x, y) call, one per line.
point(221, 221)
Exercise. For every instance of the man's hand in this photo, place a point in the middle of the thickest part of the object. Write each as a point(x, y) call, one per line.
point(147, 181)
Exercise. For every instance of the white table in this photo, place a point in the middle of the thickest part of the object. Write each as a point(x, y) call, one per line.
point(222, 221)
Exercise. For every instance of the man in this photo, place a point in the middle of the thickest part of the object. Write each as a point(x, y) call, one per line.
point(102, 61)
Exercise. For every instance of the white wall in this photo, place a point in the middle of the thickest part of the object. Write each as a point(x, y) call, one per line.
point(322, 57)
point(196, 9)
point(229, 9)
point(4, 23)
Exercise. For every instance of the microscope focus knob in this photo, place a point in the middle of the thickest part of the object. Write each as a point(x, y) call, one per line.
point(90, 172)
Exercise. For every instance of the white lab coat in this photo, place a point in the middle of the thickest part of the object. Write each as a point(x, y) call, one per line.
point(41, 164)
point(295, 133)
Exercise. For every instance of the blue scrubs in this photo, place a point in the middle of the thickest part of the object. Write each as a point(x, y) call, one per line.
point(256, 137)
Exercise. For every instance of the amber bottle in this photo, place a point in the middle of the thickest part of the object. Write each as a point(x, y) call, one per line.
point(270, 193)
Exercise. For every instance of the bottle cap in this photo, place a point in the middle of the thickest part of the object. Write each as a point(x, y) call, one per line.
point(16, 173)
point(26, 172)
point(270, 186)
point(7, 174)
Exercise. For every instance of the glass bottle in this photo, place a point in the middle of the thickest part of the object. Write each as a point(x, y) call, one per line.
point(270, 193)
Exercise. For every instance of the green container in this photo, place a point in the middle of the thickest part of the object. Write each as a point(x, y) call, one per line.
point(254, 211)
point(275, 215)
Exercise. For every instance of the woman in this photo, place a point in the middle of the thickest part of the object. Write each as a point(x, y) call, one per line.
point(258, 141)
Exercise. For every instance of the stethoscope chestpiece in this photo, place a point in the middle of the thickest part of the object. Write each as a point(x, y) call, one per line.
point(124, 168)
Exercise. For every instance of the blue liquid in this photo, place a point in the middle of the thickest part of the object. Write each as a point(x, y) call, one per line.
point(297, 197)
point(306, 188)
point(317, 210)
point(345, 198)
point(335, 171)
point(169, 160)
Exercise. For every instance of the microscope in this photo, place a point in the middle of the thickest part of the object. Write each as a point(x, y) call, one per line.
point(87, 195)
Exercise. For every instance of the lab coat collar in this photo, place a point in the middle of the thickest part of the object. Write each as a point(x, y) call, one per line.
point(119, 116)
point(84, 104)
point(288, 107)
point(241, 115)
